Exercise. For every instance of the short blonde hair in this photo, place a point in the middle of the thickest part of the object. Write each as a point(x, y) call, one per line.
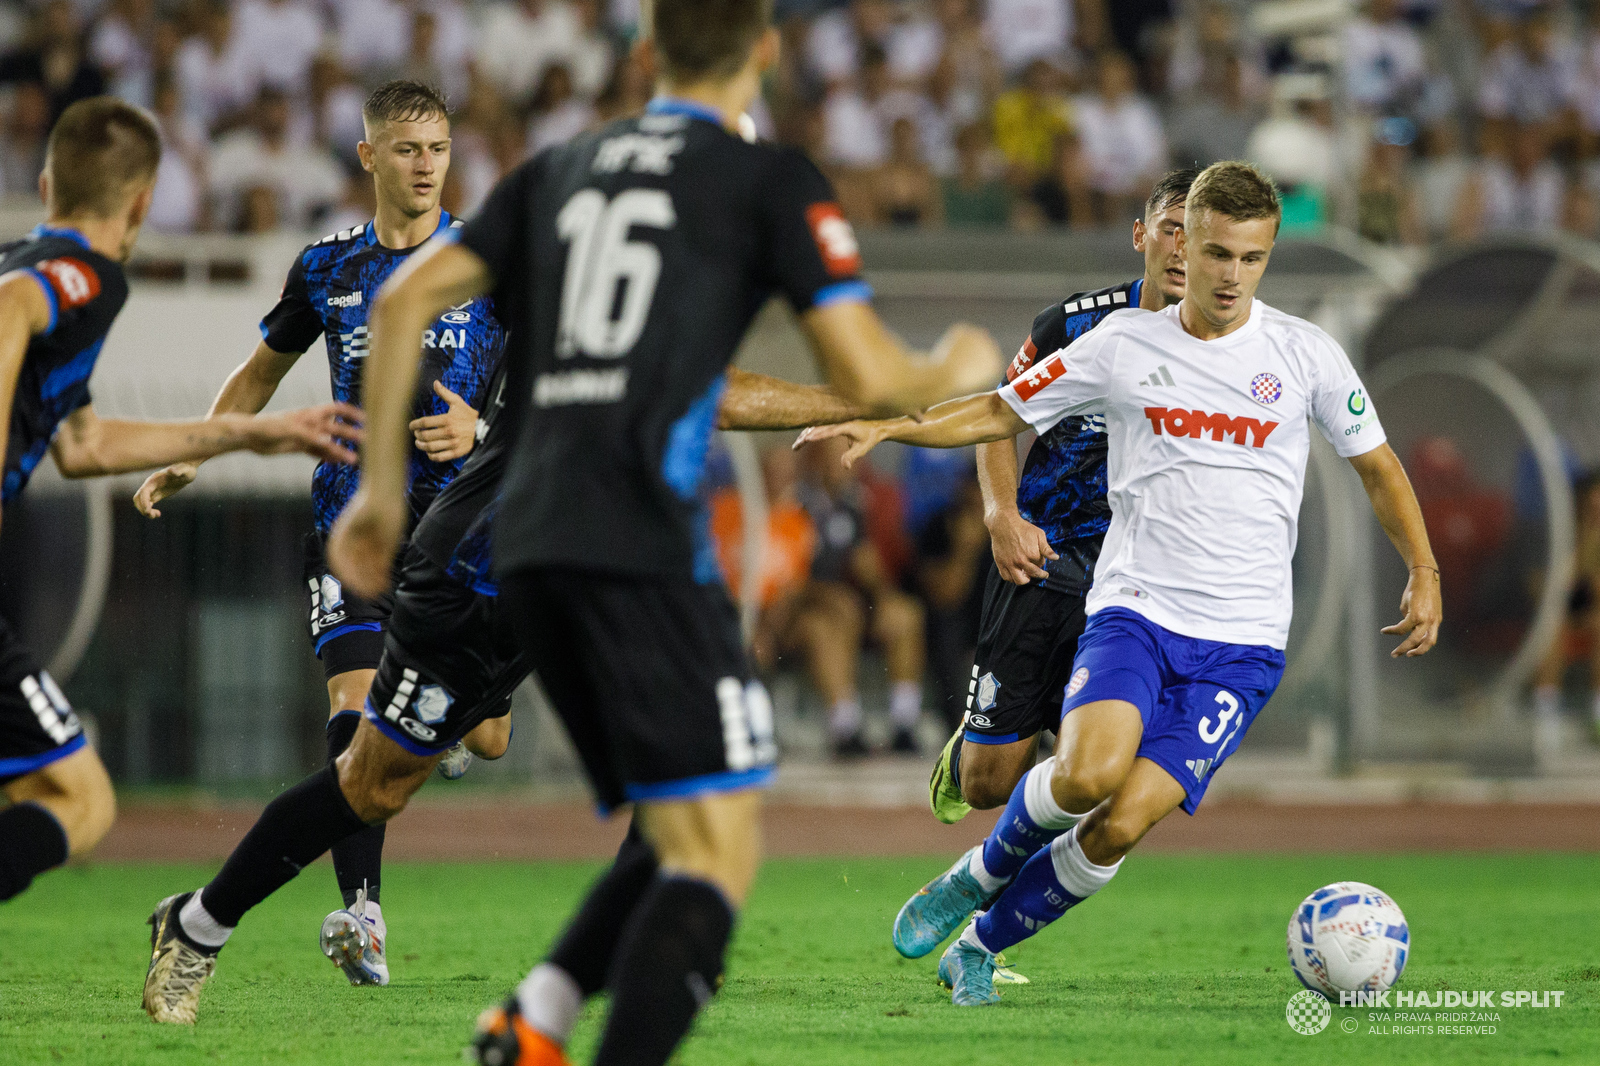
point(1237, 190)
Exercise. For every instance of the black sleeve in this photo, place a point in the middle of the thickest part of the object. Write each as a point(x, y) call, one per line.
point(499, 232)
point(811, 248)
point(1047, 335)
point(293, 323)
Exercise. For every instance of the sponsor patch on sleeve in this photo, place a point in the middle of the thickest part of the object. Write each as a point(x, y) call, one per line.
point(74, 281)
point(836, 240)
point(1029, 384)
point(1025, 357)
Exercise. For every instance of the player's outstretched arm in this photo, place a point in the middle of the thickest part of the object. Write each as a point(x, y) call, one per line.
point(364, 540)
point(1020, 547)
point(955, 424)
point(247, 390)
point(1395, 504)
point(89, 446)
point(756, 401)
point(866, 364)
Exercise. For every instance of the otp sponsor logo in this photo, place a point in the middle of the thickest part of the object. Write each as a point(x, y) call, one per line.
point(74, 281)
point(836, 240)
point(1178, 422)
point(1025, 357)
point(1029, 384)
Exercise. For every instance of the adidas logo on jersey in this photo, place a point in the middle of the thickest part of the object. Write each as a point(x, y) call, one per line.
point(351, 300)
point(1160, 378)
point(1178, 422)
point(1199, 767)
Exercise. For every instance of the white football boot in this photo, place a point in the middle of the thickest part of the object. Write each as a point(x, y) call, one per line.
point(455, 762)
point(354, 939)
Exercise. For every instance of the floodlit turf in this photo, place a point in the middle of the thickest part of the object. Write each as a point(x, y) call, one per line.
point(1181, 961)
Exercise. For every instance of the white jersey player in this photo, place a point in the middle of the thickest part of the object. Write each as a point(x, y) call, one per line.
point(1208, 407)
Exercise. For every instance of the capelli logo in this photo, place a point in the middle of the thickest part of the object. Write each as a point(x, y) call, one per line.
point(351, 300)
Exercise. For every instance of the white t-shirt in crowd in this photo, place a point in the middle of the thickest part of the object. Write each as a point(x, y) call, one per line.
point(279, 38)
point(1124, 144)
point(1208, 447)
point(1021, 31)
point(1382, 62)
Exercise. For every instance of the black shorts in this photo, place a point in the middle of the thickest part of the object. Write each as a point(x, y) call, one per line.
point(346, 630)
point(1026, 641)
point(650, 678)
point(37, 725)
point(449, 661)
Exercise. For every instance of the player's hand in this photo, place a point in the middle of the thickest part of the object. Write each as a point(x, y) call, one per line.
point(160, 485)
point(363, 542)
point(1424, 612)
point(450, 435)
point(971, 357)
point(863, 437)
point(1020, 548)
point(329, 432)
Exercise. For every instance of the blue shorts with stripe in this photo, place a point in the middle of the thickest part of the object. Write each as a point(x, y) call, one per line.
point(346, 630)
point(37, 725)
point(1196, 697)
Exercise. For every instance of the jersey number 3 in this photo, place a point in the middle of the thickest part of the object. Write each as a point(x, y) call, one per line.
point(596, 318)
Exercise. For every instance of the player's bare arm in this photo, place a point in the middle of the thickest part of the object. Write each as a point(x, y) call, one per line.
point(868, 365)
point(246, 391)
point(1020, 548)
point(757, 401)
point(363, 542)
point(1395, 504)
point(956, 424)
point(449, 436)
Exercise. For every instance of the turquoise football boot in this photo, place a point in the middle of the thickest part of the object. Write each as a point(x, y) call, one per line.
point(938, 909)
point(968, 971)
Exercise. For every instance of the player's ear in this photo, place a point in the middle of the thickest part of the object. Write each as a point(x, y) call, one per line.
point(367, 154)
point(1139, 231)
point(44, 186)
point(139, 206)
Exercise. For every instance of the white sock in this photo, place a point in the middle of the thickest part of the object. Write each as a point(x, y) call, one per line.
point(980, 873)
point(970, 935)
point(1547, 701)
point(550, 1001)
point(1041, 801)
point(1074, 870)
point(905, 703)
point(844, 718)
point(200, 927)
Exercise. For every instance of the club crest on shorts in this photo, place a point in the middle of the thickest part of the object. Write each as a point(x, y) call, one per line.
point(332, 593)
point(1080, 678)
point(1266, 388)
point(988, 689)
point(432, 703)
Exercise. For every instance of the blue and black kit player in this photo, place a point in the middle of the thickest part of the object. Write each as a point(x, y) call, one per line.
point(329, 292)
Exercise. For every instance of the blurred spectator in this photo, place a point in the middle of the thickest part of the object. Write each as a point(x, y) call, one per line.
point(1027, 122)
point(260, 210)
point(1468, 522)
point(931, 115)
point(627, 93)
point(852, 596)
point(56, 59)
point(1124, 146)
point(1384, 64)
point(336, 103)
point(785, 557)
point(519, 40)
point(1440, 176)
point(22, 153)
point(119, 46)
point(974, 76)
point(974, 196)
point(952, 562)
point(853, 130)
point(1386, 208)
point(593, 55)
point(418, 63)
point(905, 190)
point(178, 204)
point(357, 206)
point(373, 34)
point(1061, 196)
point(836, 43)
point(1023, 31)
point(559, 114)
point(1526, 191)
point(278, 39)
point(303, 178)
point(1579, 639)
point(1295, 145)
point(215, 78)
point(1214, 123)
point(1530, 79)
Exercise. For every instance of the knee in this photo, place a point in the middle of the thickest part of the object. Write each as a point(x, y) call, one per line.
point(490, 738)
point(94, 811)
point(986, 787)
point(1109, 834)
point(1080, 787)
point(374, 798)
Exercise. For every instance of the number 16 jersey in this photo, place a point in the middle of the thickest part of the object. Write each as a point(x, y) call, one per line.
point(628, 265)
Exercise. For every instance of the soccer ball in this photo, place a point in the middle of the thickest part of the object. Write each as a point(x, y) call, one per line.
point(1348, 937)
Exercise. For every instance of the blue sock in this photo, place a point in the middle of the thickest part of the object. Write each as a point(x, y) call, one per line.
point(1031, 820)
point(1051, 883)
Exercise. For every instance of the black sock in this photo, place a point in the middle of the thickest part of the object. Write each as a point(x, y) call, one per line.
point(668, 966)
point(31, 842)
point(955, 761)
point(589, 944)
point(293, 832)
point(358, 858)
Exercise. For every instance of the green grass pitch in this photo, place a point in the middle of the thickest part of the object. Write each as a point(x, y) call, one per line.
point(1181, 960)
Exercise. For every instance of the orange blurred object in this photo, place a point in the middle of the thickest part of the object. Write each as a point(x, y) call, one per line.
point(791, 543)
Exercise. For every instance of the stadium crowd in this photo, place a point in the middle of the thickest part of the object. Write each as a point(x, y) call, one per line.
point(1406, 120)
